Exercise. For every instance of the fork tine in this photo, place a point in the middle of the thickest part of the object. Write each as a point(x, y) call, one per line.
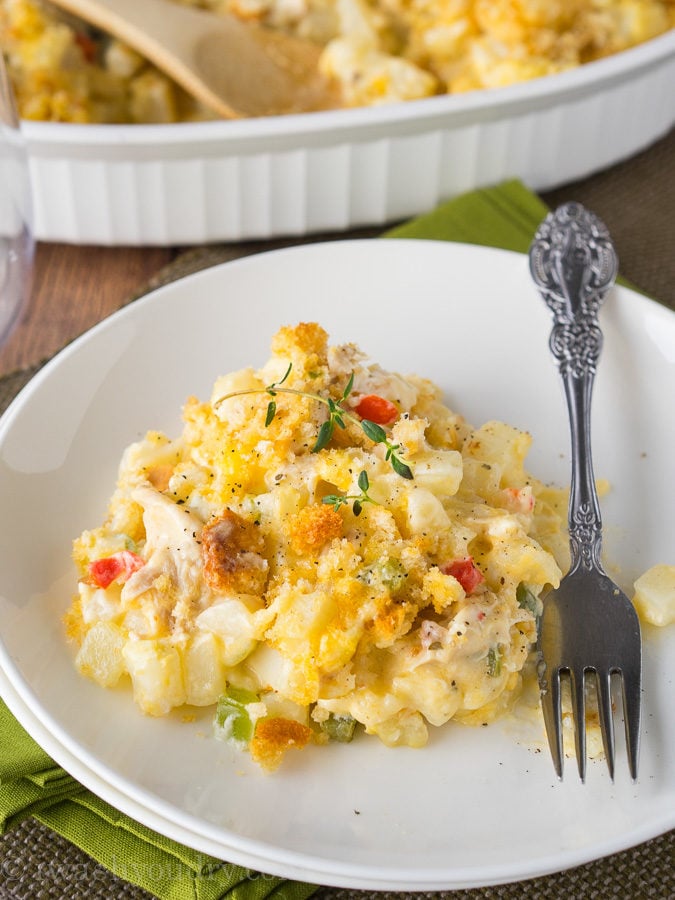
point(579, 717)
point(550, 704)
point(632, 689)
point(603, 683)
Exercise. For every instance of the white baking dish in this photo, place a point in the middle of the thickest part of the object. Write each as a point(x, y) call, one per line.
point(296, 175)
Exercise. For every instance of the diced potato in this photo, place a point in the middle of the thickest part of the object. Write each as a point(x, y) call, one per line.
point(121, 60)
point(203, 670)
point(156, 674)
point(439, 471)
point(523, 559)
point(232, 620)
point(99, 604)
point(100, 656)
point(152, 98)
point(280, 707)
point(502, 444)
point(270, 668)
point(655, 595)
point(368, 77)
point(282, 502)
point(302, 618)
point(425, 512)
point(481, 477)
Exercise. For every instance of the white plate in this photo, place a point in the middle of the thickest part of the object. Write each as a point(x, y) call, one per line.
point(476, 806)
point(290, 175)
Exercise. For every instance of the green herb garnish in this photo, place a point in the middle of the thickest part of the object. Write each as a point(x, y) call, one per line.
point(357, 500)
point(337, 417)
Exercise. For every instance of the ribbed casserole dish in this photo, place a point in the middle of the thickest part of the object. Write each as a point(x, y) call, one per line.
point(332, 171)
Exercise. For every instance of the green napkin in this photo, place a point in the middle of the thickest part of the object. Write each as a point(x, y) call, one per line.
point(31, 784)
point(504, 216)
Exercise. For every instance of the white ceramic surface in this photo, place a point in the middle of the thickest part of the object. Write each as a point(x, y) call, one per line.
point(477, 806)
point(294, 175)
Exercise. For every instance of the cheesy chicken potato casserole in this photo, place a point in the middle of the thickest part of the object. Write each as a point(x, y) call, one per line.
point(377, 51)
point(326, 546)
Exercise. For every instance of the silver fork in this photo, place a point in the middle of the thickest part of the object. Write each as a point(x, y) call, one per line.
point(588, 625)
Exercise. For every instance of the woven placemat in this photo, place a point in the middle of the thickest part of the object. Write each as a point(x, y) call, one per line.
point(37, 864)
point(636, 199)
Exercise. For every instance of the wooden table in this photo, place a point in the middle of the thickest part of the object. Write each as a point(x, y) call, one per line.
point(73, 288)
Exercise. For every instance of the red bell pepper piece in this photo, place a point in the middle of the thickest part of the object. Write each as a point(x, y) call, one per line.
point(466, 572)
point(377, 409)
point(118, 567)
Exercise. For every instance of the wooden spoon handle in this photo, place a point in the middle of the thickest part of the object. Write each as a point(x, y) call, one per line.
point(141, 23)
point(234, 68)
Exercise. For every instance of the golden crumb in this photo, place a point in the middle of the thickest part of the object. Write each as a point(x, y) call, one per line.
point(231, 553)
point(74, 627)
point(389, 624)
point(313, 527)
point(305, 346)
point(274, 736)
point(308, 337)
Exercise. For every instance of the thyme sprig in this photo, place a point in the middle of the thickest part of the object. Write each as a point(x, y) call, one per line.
point(357, 500)
point(378, 435)
point(338, 416)
point(271, 390)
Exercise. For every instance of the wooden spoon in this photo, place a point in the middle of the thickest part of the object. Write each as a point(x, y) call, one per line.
point(235, 68)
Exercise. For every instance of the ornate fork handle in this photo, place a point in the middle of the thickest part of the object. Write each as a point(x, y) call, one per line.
point(574, 265)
